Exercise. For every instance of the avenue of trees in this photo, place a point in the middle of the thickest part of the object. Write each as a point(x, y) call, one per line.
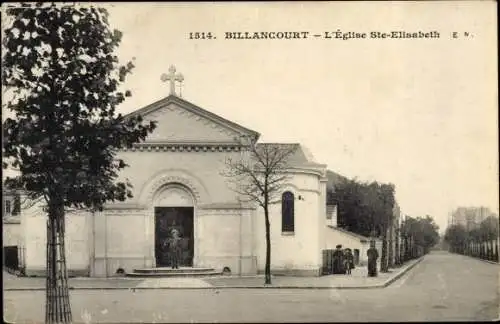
point(63, 80)
point(418, 235)
point(368, 209)
point(479, 241)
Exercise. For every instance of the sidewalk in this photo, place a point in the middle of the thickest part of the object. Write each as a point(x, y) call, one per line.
point(479, 259)
point(357, 280)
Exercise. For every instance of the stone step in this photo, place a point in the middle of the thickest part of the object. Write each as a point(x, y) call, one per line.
point(173, 274)
point(170, 270)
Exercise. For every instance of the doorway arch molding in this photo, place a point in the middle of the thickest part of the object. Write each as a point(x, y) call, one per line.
point(174, 194)
point(167, 178)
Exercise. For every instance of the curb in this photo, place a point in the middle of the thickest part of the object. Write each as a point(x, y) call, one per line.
point(379, 286)
point(402, 273)
point(479, 259)
point(133, 289)
point(475, 258)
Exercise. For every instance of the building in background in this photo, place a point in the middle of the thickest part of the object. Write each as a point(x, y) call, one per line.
point(11, 229)
point(470, 217)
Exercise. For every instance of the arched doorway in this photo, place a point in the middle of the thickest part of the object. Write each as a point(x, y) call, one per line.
point(174, 209)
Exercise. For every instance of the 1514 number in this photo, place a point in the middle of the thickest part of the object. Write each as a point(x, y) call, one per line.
point(201, 35)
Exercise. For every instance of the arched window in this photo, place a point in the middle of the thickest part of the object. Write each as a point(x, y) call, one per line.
point(287, 212)
point(16, 209)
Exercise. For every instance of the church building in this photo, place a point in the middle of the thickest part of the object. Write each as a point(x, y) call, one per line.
point(178, 184)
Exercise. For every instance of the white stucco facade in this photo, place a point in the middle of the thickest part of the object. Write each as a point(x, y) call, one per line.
point(180, 166)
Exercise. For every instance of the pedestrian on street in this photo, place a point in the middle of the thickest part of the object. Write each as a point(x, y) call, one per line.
point(372, 254)
point(348, 260)
point(338, 260)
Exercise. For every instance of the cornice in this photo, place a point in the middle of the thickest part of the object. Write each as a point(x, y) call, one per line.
point(122, 206)
point(125, 211)
point(228, 206)
point(184, 147)
point(219, 212)
point(298, 170)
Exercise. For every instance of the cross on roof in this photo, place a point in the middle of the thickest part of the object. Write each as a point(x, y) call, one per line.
point(172, 77)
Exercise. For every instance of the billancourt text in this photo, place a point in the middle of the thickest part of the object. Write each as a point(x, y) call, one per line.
point(334, 35)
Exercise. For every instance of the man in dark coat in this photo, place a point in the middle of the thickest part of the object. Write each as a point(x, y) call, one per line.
point(372, 254)
point(338, 260)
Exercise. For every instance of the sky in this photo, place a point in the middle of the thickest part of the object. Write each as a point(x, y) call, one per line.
point(419, 113)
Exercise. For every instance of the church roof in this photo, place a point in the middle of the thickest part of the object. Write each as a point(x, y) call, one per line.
point(300, 157)
point(307, 152)
point(195, 110)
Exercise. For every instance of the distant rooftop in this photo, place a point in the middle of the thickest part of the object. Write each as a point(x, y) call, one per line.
point(334, 178)
point(300, 157)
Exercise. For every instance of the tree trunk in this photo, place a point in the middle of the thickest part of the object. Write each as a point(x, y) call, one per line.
point(268, 247)
point(412, 249)
point(496, 251)
point(390, 262)
point(383, 258)
point(397, 256)
point(57, 303)
point(405, 249)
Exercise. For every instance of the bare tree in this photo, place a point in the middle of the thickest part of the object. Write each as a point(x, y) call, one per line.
point(259, 176)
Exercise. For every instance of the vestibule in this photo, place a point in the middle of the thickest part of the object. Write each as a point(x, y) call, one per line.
point(174, 209)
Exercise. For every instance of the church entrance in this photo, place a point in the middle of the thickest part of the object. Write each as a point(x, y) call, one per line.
point(166, 220)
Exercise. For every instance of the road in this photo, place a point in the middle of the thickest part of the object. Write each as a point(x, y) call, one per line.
point(443, 287)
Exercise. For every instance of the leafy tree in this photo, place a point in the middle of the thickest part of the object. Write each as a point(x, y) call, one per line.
point(60, 64)
point(259, 177)
point(366, 209)
point(489, 228)
point(419, 234)
point(429, 236)
point(358, 206)
point(456, 236)
point(353, 212)
point(482, 237)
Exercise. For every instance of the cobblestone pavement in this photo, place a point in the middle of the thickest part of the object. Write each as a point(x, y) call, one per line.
point(443, 287)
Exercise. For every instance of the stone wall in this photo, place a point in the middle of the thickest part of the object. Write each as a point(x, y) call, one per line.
point(11, 234)
point(296, 253)
point(34, 240)
point(225, 239)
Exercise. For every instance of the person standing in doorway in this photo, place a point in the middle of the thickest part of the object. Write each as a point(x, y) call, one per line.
point(175, 249)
